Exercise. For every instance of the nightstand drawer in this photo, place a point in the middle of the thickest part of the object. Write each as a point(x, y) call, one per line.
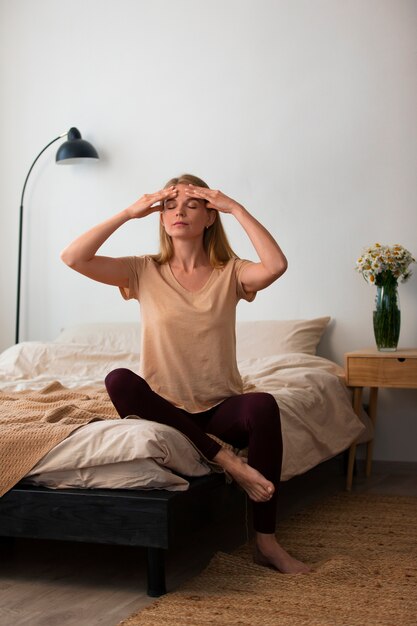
point(390, 371)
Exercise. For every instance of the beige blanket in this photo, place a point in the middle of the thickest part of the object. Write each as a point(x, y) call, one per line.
point(33, 422)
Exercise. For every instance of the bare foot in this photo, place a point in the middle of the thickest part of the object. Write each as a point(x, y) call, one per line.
point(258, 488)
point(268, 552)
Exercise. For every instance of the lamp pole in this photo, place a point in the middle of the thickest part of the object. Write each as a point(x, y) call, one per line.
point(75, 147)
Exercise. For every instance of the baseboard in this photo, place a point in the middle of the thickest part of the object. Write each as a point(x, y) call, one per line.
point(389, 467)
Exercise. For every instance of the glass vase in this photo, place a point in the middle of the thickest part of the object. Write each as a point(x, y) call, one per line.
point(387, 316)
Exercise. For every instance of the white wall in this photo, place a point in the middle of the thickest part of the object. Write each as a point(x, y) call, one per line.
point(305, 111)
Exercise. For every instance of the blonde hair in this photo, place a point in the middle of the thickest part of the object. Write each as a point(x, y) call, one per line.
point(215, 240)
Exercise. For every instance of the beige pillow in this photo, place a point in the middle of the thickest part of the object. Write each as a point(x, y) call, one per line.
point(254, 339)
point(136, 474)
point(270, 337)
point(129, 453)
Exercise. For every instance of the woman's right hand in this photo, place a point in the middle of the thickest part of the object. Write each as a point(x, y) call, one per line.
point(81, 254)
point(151, 202)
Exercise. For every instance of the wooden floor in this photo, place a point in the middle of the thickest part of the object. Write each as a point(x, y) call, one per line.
point(45, 583)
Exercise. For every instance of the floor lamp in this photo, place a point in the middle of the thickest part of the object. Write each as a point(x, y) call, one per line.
point(71, 151)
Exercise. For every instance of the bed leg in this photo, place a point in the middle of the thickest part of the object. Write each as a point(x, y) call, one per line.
point(156, 572)
point(7, 545)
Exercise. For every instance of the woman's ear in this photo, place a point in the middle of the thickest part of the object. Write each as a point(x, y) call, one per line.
point(212, 217)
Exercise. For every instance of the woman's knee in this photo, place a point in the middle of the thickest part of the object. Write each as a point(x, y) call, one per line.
point(265, 411)
point(117, 380)
point(264, 402)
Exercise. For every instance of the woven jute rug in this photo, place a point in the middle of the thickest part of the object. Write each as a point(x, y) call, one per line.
point(363, 550)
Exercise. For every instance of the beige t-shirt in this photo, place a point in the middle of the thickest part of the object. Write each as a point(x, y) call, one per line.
point(188, 344)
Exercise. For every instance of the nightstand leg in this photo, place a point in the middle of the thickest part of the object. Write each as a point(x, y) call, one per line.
point(373, 399)
point(357, 405)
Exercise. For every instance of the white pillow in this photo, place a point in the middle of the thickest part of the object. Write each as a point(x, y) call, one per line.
point(112, 336)
point(270, 337)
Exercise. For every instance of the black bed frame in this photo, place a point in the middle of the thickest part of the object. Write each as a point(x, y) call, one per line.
point(154, 519)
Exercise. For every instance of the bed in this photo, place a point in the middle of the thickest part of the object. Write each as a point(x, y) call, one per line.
point(72, 470)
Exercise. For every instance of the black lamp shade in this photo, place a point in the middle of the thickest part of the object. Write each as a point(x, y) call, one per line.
point(75, 148)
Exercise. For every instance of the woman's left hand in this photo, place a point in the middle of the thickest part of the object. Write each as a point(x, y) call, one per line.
point(254, 276)
point(215, 199)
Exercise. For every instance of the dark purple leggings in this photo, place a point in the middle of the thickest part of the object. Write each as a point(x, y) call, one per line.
point(249, 420)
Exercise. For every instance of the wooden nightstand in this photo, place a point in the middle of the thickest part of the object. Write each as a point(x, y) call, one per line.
point(374, 369)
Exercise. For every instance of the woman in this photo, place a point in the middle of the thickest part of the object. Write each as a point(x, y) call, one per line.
point(189, 378)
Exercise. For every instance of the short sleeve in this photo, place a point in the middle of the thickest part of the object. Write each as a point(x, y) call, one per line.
point(133, 264)
point(240, 264)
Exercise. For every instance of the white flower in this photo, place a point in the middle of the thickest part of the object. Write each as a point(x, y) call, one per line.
point(379, 261)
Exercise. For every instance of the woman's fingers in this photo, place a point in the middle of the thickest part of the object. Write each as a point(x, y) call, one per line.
point(199, 192)
point(215, 198)
point(171, 192)
point(160, 196)
point(152, 202)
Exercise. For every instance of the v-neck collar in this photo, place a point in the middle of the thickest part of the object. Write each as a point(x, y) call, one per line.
point(184, 289)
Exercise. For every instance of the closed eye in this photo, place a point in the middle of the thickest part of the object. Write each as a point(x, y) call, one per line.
point(170, 205)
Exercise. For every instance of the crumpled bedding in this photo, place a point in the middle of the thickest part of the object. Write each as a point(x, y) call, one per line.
point(317, 417)
point(34, 364)
point(318, 421)
point(51, 435)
